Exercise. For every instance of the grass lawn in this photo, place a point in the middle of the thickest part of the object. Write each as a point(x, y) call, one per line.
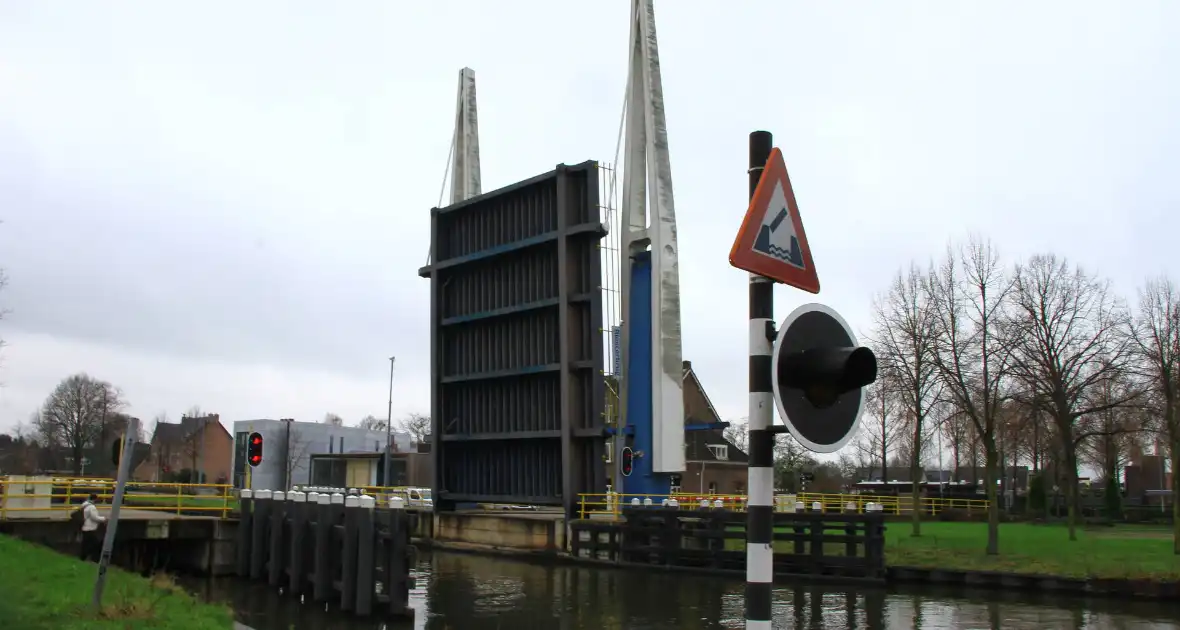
point(1128, 551)
point(41, 589)
point(210, 505)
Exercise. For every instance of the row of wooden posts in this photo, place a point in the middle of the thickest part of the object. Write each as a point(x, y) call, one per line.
point(840, 545)
point(335, 548)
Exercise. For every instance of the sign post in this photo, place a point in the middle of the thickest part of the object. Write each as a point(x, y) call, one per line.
point(108, 541)
point(760, 471)
point(809, 370)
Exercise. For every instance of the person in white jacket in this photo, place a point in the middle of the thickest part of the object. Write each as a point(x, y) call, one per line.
point(91, 519)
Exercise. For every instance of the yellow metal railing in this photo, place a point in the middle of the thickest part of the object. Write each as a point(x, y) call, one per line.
point(66, 493)
point(609, 505)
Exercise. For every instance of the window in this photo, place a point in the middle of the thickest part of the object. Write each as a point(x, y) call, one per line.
point(239, 459)
point(720, 451)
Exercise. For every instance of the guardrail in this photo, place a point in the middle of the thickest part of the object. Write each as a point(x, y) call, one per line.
point(23, 496)
point(610, 504)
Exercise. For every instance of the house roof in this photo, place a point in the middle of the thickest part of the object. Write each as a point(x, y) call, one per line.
point(696, 448)
point(689, 373)
point(173, 432)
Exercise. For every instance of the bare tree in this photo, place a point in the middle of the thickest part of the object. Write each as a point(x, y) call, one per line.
point(790, 458)
point(957, 431)
point(968, 295)
point(371, 423)
point(417, 425)
point(1116, 430)
point(879, 426)
point(1068, 335)
point(72, 416)
point(193, 412)
point(333, 419)
point(902, 339)
point(1157, 338)
point(296, 457)
point(846, 463)
point(738, 434)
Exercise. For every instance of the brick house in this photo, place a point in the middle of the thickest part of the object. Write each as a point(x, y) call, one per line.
point(196, 444)
point(713, 464)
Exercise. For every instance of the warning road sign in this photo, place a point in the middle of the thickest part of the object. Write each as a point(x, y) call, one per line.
point(771, 241)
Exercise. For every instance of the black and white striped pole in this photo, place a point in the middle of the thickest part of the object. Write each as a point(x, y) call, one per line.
point(760, 486)
point(810, 369)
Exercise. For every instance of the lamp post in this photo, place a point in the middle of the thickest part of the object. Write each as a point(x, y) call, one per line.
point(389, 427)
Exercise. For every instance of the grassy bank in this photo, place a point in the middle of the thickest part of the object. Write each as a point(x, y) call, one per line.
point(44, 590)
point(1127, 552)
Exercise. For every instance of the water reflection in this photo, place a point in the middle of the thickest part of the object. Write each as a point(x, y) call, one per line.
point(468, 592)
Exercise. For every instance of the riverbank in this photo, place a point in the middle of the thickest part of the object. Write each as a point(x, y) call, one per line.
point(1126, 552)
point(45, 590)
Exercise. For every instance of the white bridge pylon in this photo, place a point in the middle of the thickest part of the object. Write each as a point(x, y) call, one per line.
point(465, 167)
point(648, 222)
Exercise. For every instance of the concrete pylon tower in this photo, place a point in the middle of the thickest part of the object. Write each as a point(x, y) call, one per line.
point(653, 389)
point(465, 163)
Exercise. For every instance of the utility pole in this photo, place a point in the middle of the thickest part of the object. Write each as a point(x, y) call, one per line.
point(389, 428)
point(108, 541)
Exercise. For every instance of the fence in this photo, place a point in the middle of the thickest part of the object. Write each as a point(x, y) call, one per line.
point(841, 545)
point(609, 505)
point(32, 497)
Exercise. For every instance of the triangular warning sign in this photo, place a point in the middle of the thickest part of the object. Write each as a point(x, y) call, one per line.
point(771, 241)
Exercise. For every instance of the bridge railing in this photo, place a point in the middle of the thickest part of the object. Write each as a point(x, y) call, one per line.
point(610, 505)
point(62, 494)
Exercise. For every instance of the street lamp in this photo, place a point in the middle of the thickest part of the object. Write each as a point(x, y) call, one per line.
point(389, 427)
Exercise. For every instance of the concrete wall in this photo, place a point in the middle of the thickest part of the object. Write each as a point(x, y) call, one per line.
point(503, 531)
point(307, 438)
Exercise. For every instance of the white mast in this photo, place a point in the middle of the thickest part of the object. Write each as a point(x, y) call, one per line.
point(649, 220)
point(465, 167)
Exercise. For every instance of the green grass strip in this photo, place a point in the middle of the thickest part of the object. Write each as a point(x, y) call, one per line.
point(46, 590)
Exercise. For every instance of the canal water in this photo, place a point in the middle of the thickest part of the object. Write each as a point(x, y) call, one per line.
point(470, 592)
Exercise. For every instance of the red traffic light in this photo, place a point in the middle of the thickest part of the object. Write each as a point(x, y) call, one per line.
point(254, 449)
point(628, 461)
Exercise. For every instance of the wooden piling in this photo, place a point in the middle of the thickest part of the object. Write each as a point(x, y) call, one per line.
point(365, 541)
point(278, 522)
point(348, 557)
point(259, 533)
point(245, 519)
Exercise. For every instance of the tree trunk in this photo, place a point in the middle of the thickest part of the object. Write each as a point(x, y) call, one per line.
point(993, 505)
point(1072, 494)
point(884, 455)
point(954, 462)
point(1175, 457)
point(915, 483)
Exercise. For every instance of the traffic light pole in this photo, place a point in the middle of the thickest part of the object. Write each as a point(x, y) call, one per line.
point(760, 471)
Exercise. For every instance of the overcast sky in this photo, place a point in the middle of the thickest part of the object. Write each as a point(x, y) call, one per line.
point(226, 203)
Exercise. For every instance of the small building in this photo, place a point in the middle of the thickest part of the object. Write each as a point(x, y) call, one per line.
point(356, 470)
point(199, 445)
point(288, 447)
